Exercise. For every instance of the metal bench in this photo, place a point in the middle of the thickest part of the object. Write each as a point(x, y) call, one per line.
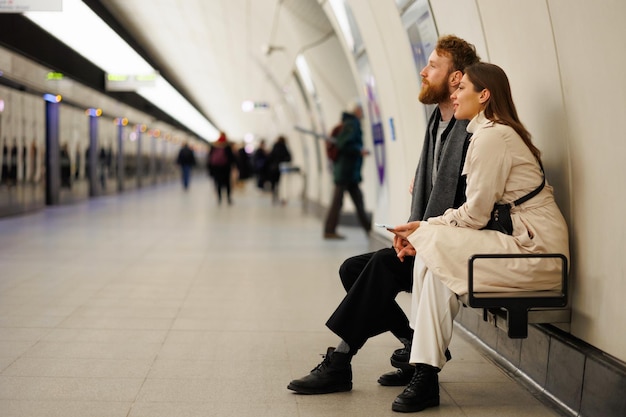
point(513, 311)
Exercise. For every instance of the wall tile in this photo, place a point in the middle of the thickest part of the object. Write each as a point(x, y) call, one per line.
point(534, 355)
point(603, 390)
point(565, 373)
point(509, 348)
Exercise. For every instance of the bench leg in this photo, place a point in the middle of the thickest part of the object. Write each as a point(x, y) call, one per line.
point(517, 319)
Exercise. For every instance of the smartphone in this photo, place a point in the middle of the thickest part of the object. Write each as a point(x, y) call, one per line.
point(384, 226)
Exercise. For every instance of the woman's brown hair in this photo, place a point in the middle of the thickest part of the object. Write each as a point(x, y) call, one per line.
point(499, 108)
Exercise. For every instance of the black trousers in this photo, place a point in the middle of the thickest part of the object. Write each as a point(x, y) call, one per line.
point(221, 177)
point(372, 281)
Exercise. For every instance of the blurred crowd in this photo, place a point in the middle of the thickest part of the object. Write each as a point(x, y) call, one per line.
point(231, 165)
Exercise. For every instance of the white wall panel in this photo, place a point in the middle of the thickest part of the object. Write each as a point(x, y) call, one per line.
point(527, 54)
point(589, 37)
point(460, 18)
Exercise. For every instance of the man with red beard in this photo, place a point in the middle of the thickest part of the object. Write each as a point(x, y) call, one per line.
point(373, 280)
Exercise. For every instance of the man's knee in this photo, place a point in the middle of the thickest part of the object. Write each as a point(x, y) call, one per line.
point(348, 272)
point(386, 265)
point(351, 269)
point(384, 255)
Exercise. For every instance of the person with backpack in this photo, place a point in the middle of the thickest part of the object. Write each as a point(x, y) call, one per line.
point(347, 170)
point(220, 161)
point(332, 151)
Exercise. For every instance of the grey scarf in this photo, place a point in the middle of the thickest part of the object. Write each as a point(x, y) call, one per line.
point(449, 189)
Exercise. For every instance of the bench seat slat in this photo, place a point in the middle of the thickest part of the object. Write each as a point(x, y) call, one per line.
point(520, 294)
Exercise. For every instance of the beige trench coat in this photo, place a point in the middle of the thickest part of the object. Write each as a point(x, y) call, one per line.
point(499, 168)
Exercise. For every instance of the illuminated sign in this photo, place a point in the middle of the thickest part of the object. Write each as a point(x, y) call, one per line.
point(127, 82)
point(53, 75)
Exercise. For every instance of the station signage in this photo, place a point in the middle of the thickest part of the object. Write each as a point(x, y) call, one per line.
point(129, 82)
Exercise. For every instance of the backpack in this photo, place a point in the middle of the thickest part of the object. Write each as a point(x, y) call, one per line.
point(332, 151)
point(218, 157)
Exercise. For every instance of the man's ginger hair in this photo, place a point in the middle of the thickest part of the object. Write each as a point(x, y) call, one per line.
point(462, 53)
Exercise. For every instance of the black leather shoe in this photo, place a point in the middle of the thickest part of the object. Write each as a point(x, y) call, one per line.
point(400, 358)
point(334, 374)
point(422, 391)
point(398, 378)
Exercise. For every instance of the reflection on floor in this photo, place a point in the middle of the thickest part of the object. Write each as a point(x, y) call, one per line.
point(159, 302)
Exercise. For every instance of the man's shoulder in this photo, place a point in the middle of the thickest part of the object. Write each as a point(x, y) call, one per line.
point(462, 123)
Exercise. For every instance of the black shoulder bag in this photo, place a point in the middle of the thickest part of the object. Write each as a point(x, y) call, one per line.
point(501, 214)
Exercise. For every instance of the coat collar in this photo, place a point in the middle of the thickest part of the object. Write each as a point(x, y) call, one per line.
point(479, 121)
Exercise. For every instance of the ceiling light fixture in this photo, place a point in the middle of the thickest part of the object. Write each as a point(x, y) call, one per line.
point(82, 30)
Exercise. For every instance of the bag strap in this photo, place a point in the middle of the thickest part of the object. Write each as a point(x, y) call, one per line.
point(533, 193)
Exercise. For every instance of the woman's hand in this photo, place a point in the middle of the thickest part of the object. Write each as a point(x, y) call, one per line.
point(400, 242)
point(404, 230)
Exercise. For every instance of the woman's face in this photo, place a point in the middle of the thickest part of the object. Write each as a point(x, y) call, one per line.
point(466, 101)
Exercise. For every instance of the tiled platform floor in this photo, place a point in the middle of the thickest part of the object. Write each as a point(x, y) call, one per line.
point(159, 303)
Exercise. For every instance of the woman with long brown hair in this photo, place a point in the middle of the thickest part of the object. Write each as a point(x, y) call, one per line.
point(502, 165)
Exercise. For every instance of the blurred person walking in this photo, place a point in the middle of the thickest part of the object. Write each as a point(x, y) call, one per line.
point(259, 164)
point(279, 154)
point(186, 160)
point(347, 171)
point(220, 161)
point(244, 165)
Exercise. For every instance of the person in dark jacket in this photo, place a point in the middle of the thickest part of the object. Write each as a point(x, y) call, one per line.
point(259, 164)
point(220, 162)
point(244, 165)
point(347, 172)
point(279, 154)
point(186, 160)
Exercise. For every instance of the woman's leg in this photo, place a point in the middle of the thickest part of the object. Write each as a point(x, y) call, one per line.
point(432, 312)
point(433, 309)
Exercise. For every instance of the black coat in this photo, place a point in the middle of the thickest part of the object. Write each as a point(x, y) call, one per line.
point(280, 153)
